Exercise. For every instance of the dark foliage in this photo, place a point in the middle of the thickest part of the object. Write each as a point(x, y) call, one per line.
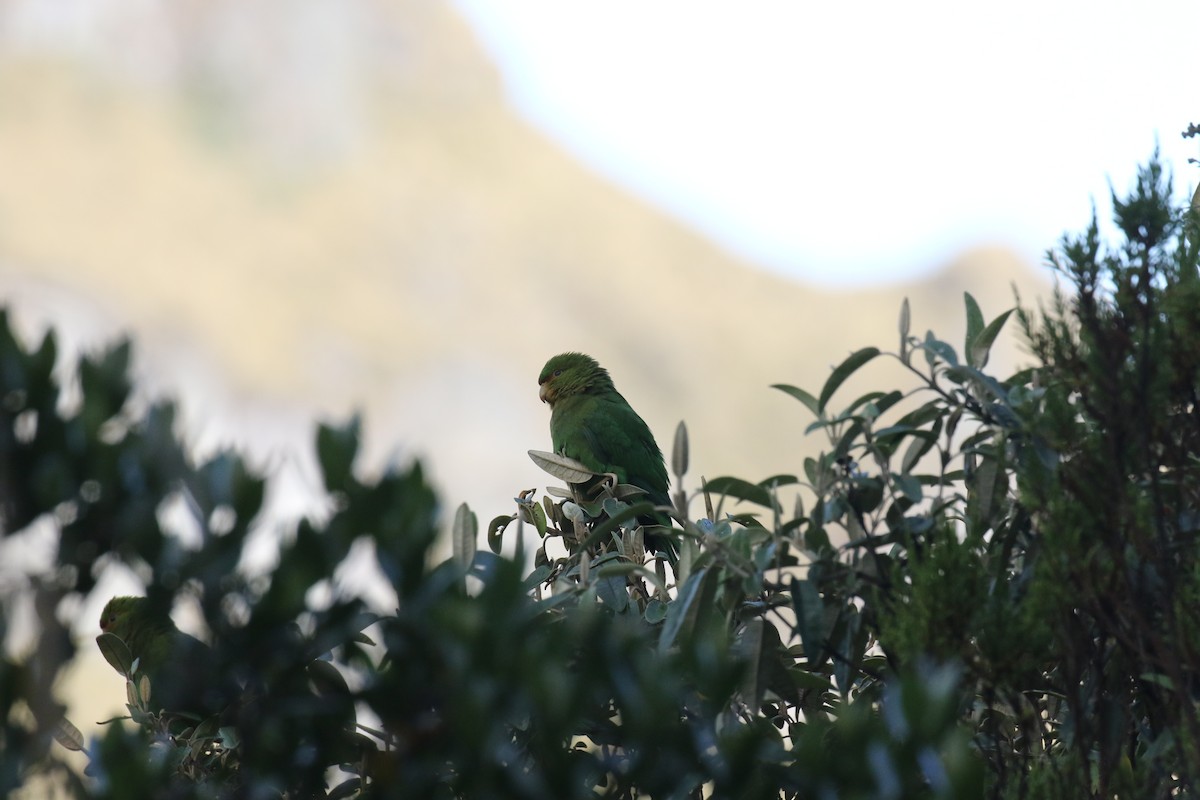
point(986, 587)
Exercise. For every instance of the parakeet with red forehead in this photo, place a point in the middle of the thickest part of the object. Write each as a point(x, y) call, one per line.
point(592, 423)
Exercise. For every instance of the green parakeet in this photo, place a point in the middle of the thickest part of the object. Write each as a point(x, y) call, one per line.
point(179, 666)
point(592, 423)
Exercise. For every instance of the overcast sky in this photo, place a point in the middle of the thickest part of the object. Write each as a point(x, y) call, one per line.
point(841, 142)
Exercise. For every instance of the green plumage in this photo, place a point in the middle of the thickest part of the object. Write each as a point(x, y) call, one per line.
point(179, 666)
point(592, 423)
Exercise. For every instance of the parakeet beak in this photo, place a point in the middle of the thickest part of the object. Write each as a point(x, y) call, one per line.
point(544, 393)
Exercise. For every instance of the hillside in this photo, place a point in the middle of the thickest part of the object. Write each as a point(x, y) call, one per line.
point(297, 217)
point(376, 230)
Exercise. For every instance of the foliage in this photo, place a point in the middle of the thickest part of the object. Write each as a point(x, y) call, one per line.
point(982, 589)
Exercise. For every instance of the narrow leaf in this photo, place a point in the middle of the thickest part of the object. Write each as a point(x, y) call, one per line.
point(612, 592)
point(561, 467)
point(919, 446)
point(981, 345)
point(66, 734)
point(742, 490)
point(625, 568)
point(681, 614)
point(539, 519)
point(776, 481)
point(844, 371)
point(810, 619)
point(750, 648)
point(115, 653)
point(336, 451)
point(851, 645)
point(463, 535)
point(536, 577)
point(327, 679)
point(935, 348)
point(804, 397)
point(347, 788)
point(987, 478)
point(614, 522)
point(679, 453)
point(974, 321)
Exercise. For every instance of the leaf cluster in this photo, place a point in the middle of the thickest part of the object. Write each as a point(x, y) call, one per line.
point(983, 586)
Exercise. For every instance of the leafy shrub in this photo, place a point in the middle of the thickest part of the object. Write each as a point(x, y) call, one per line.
point(984, 589)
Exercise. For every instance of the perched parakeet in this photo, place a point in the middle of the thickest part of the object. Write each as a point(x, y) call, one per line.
point(592, 423)
point(179, 666)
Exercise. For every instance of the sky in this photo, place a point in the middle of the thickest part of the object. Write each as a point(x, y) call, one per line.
point(845, 143)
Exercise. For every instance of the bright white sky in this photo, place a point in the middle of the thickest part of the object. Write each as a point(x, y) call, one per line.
point(845, 142)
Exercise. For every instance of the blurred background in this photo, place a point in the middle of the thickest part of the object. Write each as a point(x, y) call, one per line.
point(303, 208)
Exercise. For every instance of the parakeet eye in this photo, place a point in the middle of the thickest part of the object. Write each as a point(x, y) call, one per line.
point(557, 372)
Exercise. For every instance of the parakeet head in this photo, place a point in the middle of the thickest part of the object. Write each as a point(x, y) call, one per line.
point(123, 616)
point(569, 374)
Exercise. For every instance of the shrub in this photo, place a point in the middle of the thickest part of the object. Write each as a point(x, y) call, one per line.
point(984, 589)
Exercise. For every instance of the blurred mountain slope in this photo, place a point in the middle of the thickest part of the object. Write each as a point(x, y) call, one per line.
point(301, 214)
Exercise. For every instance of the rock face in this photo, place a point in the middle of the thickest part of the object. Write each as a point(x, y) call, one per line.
point(301, 209)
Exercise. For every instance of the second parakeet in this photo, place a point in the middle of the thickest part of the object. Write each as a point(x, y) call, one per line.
point(592, 423)
point(179, 666)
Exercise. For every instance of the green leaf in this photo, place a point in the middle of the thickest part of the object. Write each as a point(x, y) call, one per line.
point(872, 404)
point(776, 481)
point(626, 568)
point(336, 451)
point(844, 371)
point(327, 679)
point(749, 648)
point(804, 397)
point(980, 347)
point(611, 524)
point(66, 734)
point(803, 679)
point(539, 519)
point(1159, 679)
point(561, 467)
point(812, 472)
point(905, 328)
point(919, 446)
point(347, 788)
point(921, 415)
point(936, 348)
point(495, 532)
point(679, 452)
point(464, 533)
point(984, 384)
point(974, 321)
point(850, 650)
point(986, 481)
point(689, 603)
point(116, 653)
point(539, 575)
point(104, 385)
point(910, 487)
point(810, 619)
point(656, 611)
point(611, 590)
point(816, 539)
point(742, 490)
